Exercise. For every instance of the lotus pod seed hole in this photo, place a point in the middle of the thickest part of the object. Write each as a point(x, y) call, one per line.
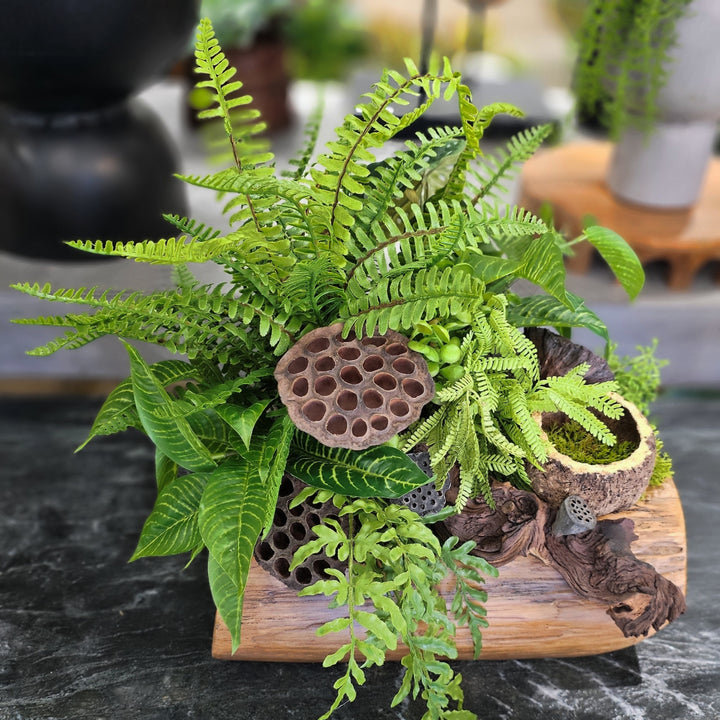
point(321, 567)
point(296, 511)
point(303, 575)
point(373, 363)
point(266, 551)
point(297, 530)
point(399, 408)
point(280, 540)
point(351, 375)
point(395, 349)
point(312, 519)
point(347, 400)
point(351, 336)
point(314, 410)
point(280, 518)
point(376, 341)
point(413, 388)
point(282, 567)
point(348, 353)
point(379, 422)
point(336, 425)
point(404, 366)
point(324, 364)
point(300, 387)
point(359, 428)
point(286, 487)
point(298, 365)
point(325, 385)
point(373, 400)
point(318, 345)
point(385, 381)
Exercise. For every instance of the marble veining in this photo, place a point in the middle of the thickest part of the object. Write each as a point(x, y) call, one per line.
point(85, 634)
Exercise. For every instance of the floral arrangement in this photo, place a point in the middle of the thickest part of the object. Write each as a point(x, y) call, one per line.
point(367, 328)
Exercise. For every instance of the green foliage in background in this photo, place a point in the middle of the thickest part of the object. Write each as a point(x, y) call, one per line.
point(623, 58)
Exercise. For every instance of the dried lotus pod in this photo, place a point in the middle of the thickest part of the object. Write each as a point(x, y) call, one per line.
point(353, 392)
point(426, 499)
point(291, 528)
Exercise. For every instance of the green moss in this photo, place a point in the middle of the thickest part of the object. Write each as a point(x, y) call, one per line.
point(572, 439)
point(663, 464)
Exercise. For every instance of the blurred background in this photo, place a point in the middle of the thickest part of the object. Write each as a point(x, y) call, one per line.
point(126, 136)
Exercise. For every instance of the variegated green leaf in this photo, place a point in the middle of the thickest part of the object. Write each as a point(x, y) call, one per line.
point(172, 526)
point(619, 256)
point(243, 419)
point(274, 449)
point(172, 436)
point(544, 265)
point(376, 472)
point(541, 310)
point(165, 470)
point(118, 412)
point(228, 599)
point(232, 510)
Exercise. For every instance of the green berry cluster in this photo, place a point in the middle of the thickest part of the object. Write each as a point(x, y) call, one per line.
point(440, 347)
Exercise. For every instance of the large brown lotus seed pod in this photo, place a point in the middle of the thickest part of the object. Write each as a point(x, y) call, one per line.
point(291, 528)
point(353, 392)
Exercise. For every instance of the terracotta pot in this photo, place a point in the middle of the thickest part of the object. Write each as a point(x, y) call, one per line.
point(606, 488)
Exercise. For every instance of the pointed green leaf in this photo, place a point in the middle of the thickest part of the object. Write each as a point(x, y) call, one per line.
point(273, 451)
point(376, 472)
point(228, 599)
point(243, 419)
point(118, 412)
point(165, 470)
point(172, 436)
point(544, 264)
point(232, 510)
point(172, 527)
point(619, 256)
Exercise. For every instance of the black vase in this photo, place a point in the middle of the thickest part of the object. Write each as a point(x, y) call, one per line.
point(78, 158)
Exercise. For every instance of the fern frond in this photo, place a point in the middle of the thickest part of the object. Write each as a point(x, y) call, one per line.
point(192, 228)
point(168, 251)
point(315, 287)
point(402, 302)
point(341, 175)
point(486, 180)
point(211, 61)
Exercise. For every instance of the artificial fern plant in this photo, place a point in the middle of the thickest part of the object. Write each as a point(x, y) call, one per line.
point(415, 243)
point(623, 56)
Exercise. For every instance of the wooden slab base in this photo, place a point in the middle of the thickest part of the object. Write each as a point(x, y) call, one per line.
point(531, 610)
point(571, 179)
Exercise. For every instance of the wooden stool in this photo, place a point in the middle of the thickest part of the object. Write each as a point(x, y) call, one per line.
point(571, 179)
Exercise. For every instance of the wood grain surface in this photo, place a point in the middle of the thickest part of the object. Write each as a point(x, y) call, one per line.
point(531, 610)
point(571, 178)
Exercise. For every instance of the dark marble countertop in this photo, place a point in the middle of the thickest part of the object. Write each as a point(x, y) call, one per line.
point(84, 634)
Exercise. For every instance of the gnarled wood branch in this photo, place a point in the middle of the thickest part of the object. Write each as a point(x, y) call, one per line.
point(597, 564)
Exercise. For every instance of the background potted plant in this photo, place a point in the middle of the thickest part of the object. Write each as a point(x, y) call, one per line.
point(355, 326)
point(647, 70)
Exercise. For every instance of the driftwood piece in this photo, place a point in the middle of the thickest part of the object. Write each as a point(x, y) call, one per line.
point(597, 564)
point(558, 355)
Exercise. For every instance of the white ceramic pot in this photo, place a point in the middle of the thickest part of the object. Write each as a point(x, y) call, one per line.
point(666, 169)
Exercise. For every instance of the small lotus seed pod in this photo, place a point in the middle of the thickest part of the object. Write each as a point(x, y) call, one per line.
point(353, 392)
point(574, 516)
